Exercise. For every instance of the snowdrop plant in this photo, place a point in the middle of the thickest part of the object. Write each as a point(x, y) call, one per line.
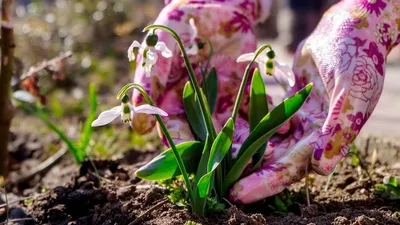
point(209, 158)
point(193, 48)
point(149, 51)
point(126, 111)
point(268, 65)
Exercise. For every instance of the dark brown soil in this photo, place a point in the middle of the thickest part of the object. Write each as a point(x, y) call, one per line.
point(122, 198)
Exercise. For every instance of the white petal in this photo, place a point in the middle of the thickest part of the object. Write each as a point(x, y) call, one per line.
point(148, 68)
point(162, 47)
point(286, 71)
point(194, 28)
point(148, 109)
point(151, 56)
point(107, 117)
point(131, 107)
point(24, 96)
point(134, 44)
point(193, 50)
point(245, 57)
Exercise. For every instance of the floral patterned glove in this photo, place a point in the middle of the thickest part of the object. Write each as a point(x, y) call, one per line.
point(345, 59)
point(228, 25)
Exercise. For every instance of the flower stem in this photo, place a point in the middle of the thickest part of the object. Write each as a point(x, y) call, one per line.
point(192, 77)
point(178, 158)
point(244, 81)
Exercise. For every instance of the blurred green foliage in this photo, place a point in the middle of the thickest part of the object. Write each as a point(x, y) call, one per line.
point(98, 32)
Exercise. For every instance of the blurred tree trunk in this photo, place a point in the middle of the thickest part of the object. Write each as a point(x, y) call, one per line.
point(7, 61)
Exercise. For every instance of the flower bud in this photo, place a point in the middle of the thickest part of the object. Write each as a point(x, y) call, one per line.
point(200, 45)
point(125, 99)
point(271, 54)
point(151, 40)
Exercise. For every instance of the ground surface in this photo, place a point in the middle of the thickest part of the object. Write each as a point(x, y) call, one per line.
point(73, 196)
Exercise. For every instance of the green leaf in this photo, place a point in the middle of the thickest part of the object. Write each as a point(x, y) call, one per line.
point(210, 86)
point(199, 203)
point(264, 130)
point(87, 131)
point(393, 181)
point(280, 204)
point(193, 112)
point(38, 112)
point(218, 151)
point(164, 166)
point(258, 108)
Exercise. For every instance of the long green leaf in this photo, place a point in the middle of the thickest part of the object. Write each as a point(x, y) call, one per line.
point(38, 112)
point(87, 131)
point(210, 86)
point(264, 130)
point(258, 108)
point(218, 151)
point(164, 166)
point(193, 112)
point(199, 203)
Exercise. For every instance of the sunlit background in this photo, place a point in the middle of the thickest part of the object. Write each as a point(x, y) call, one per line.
point(98, 32)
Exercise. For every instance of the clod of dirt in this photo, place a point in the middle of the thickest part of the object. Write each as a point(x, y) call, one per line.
point(364, 220)
point(309, 211)
point(239, 217)
point(340, 220)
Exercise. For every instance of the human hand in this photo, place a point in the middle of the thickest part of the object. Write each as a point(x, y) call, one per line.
point(345, 59)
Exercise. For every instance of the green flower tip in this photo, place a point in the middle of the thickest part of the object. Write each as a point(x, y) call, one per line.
point(125, 99)
point(152, 40)
point(271, 54)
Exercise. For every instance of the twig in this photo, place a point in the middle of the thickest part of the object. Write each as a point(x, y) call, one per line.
point(328, 182)
point(45, 65)
point(227, 201)
point(16, 201)
point(137, 220)
point(101, 178)
point(307, 191)
point(96, 172)
point(7, 70)
point(7, 211)
point(44, 166)
point(17, 220)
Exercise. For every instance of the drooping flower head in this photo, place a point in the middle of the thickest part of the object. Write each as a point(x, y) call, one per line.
point(193, 48)
point(268, 65)
point(149, 51)
point(127, 111)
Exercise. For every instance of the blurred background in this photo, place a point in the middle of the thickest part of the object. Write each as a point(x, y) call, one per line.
point(98, 33)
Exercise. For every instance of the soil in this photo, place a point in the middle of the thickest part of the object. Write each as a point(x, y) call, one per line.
point(68, 194)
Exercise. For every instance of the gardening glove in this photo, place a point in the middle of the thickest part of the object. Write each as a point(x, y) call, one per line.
point(228, 26)
point(345, 59)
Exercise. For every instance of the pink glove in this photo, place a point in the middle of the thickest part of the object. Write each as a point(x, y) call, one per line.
point(345, 59)
point(228, 25)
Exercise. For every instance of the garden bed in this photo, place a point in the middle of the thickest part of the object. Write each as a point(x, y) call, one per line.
point(122, 198)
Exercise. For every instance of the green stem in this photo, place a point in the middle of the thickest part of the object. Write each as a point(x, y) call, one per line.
point(244, 81)
point(178, 158)
point(209, 54)
point(192, 78)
